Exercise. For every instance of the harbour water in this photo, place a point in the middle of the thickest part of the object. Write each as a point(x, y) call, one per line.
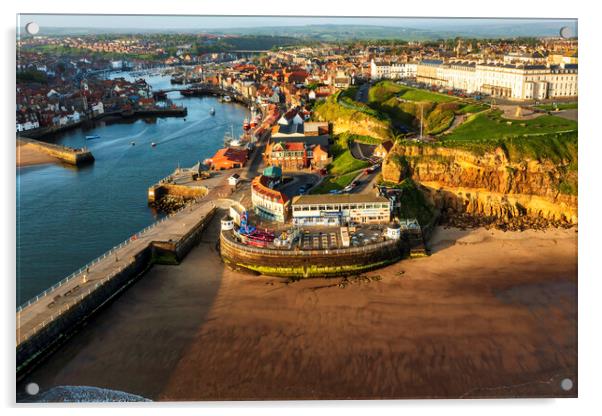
point(67, 216)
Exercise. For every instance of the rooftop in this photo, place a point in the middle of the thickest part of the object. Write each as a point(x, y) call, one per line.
point(338, 199)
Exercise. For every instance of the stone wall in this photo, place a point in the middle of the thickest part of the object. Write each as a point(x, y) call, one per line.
point(312, 263)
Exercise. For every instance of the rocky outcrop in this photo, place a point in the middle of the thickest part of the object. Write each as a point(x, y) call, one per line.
point(367, 126)
point(488, 184)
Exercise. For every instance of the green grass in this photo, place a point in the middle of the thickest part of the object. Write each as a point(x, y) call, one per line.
point(413, 203)
point(353, 114)
point(364, 139)
point(384, 90)
point(413, 94)
point(346, 163)
point(491, 125)
point(472, 108)
point(334, 182)
point(560, 106)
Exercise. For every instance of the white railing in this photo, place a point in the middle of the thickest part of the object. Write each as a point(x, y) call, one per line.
point(78, 272)
point(103, 256)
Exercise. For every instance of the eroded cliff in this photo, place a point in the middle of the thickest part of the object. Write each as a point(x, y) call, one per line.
point(489, 184)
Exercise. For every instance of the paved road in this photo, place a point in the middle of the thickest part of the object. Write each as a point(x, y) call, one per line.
point(299, 179)
point(362, 151)
point(362, 93)
point(365, 184)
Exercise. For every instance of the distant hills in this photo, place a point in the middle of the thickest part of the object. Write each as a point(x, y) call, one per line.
point(421, 30)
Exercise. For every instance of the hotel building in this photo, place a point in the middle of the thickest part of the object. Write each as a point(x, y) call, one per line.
point(335, 210)
point(510, 81)
point(394, 70)
point(268, 203)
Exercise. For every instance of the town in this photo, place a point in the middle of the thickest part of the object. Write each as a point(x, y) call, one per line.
point(294, 170)
point(231, 187)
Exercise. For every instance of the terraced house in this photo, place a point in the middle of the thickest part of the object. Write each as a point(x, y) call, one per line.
point(511, 81)
point(287, 155)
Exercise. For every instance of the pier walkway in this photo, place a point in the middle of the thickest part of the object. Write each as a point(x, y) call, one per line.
point(60, 298)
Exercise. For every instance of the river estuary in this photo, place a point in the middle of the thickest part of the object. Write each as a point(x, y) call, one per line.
point(67, 216)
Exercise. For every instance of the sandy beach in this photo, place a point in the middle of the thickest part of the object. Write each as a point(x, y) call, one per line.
point(488, 314)
point(29, 156)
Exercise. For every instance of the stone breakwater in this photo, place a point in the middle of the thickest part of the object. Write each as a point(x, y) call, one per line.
point(49, 319)
point(487, 185)
point(65, 154)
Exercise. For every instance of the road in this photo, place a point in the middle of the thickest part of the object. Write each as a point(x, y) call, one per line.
point(362, 93)
point(299, 179)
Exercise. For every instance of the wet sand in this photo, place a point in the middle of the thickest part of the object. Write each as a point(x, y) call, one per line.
point(489, 314)
point(29, 156)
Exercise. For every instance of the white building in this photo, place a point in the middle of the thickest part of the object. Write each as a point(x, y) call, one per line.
point(268, 203)
point(511, 81)
point(394, 70)
point(335, 210)
point(28, 125)
point(98, 108)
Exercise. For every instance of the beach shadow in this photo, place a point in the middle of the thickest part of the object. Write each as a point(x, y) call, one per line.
point(134, 344)
point(445, 237)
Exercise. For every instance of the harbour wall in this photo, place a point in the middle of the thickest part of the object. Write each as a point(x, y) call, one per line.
point(60, 322)
point(158, 191)
point(314, 263)
point(66, 154)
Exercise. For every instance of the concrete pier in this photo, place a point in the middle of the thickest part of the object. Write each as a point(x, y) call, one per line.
point(46, 321)
point(66, 154)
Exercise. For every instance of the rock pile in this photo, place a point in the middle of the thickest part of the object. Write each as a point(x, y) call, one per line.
point(170, 203)
point(521, 223)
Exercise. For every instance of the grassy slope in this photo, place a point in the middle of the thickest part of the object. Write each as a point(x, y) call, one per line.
point(560, 106)
point(344, 109)
point(491, 125)
point(343, 168)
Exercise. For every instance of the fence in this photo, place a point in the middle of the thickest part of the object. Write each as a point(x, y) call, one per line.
point(65, 308)
point(103, 256)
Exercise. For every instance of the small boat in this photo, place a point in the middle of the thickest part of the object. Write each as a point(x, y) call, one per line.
point(133, 143)
point(92, 137)
point(246, 125)
point(227, 98)
point(212, 111)
point(153, 144)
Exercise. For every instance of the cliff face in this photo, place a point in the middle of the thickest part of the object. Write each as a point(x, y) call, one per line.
point(488, 185)
point(366, 126)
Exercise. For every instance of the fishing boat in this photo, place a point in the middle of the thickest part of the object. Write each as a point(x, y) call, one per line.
point(92, 137)
point(212, 111)
point(229, 137)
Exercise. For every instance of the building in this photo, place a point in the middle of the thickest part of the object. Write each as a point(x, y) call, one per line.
point(273, 175)
point(287, 155)
point(510, 81)
point(269, 203)
point(393, 70)
point(234, 179)
point(335, 210)
point(383, 149)
point(228, 158)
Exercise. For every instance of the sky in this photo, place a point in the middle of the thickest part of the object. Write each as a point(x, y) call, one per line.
point(224, 22)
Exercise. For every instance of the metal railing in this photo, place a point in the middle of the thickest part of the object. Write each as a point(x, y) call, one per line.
point(99, 283)
point(103, 256)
